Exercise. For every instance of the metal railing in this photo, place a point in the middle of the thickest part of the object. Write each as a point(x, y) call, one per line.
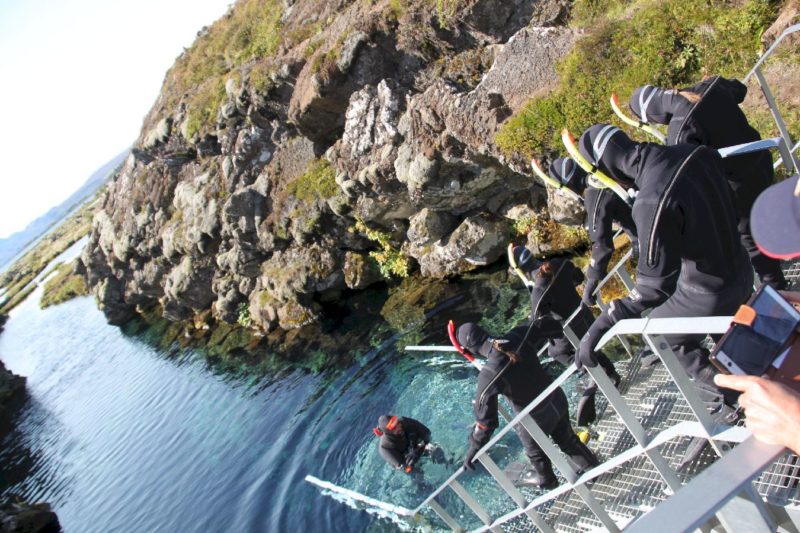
point(788, 160)
point(747, 505)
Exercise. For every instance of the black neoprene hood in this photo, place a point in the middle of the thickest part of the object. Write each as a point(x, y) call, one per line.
point(611, 151)
point(654, 101)
point(569, 174)
point(471, 336)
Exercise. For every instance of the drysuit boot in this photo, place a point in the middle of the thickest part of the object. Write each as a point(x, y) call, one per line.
point(541, 474)
point(725, 415)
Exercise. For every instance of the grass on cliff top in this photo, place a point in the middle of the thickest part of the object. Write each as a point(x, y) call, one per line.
point(629, 44)
point(63, 286)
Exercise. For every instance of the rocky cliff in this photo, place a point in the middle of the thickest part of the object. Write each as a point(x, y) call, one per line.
point(301, 150)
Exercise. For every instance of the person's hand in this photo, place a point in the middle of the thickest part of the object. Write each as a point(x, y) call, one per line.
point(589, 298)
point(772, 409)
point(470, 456)
point(585, 354)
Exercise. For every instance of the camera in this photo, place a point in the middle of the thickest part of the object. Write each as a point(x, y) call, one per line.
point(761, 331)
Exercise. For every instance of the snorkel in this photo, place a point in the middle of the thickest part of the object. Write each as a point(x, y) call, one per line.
point(602, 180)
point(537, 169)
point(638, 124)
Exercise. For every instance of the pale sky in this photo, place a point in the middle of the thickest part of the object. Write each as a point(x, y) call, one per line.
point(78, 77)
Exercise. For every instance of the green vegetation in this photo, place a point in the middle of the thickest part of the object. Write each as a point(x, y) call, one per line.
point(203, 105)
point(17, 279)
point(629, 44)
point(244, 319)
point(391, 261)
point(317, 183)
point(407, 303)
point(555, 238)
point(64, 286)
point(250, 32)
point(523, 226)
point(17, 298)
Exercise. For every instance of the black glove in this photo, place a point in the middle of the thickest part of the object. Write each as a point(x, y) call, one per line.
point(585, 355)
point(635, 249)
point(589, 298)
point(470, 456)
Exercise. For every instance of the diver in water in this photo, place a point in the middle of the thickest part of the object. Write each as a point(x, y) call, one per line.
point(553, 295)
point(513, 370)
point(603, 209)
point(403, 441)
point(692, 262)
point(708, 114)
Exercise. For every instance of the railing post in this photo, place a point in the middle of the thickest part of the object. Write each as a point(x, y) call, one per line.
point(629, 419)
point(685, 387)
point(445, 516)
point(513, 492)
point(476, 508)
point(568, 472)
point(789, 159)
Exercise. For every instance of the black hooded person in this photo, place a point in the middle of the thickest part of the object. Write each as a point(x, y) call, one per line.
point(402, 441)
point(603, 209)
point(553, 295)
point(692, 262)
point(708, 114)
point(512, 369)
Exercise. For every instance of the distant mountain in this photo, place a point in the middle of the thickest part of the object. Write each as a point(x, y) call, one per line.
point(17, 242)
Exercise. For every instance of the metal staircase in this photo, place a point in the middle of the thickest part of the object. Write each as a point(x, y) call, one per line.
point(643, 430)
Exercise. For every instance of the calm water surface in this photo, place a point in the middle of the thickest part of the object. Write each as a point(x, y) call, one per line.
point(121, 436)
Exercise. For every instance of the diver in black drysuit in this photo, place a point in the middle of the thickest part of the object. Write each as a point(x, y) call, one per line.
point(553, 295)
point(603, 209)
point(714, 119)
point(521, 382)
point(692, 262)
point(401, 445)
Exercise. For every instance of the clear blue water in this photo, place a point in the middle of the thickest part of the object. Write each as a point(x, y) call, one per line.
point(120, 435)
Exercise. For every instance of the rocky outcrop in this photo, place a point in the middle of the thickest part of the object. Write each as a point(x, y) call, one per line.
point(362, 117)
point(28, 518)
point(12, 397)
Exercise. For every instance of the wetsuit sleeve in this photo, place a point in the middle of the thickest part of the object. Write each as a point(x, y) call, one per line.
point(391, 456)
point(601, 234)
point(659, 265)
point(416, 430)
point(485, 422)
point(485, 409)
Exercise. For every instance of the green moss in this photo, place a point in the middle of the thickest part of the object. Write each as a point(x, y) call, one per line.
point(244, 319)
point(392, 262)
point(317, 183)
point(407, 304)
point(203, 106)
point(666, 44)
point(227, 338)
point(557, 238)
point(64, 286)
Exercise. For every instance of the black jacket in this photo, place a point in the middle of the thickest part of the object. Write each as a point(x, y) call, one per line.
point(686, 222)
point(395, 448)
point(716, 121)
point(559, 298)
point(520, 382)
point(603, 208)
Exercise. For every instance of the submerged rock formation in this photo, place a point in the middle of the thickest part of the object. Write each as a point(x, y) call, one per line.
point(287, 152)
point(28, 518)
point(12, 397)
